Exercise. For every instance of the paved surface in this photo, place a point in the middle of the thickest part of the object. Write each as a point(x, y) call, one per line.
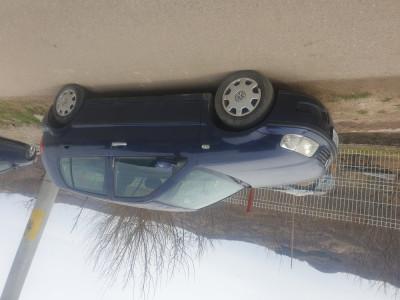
point(145, 45)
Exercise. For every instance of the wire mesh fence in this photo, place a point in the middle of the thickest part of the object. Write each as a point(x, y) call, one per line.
point(362, 186)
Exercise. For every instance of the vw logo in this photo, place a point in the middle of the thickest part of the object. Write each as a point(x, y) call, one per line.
point(240, 95)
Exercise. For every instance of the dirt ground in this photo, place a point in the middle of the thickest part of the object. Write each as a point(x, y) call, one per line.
point(29, 134)
point(363, 105)
point(18, 129)
point(370, 106)
point(150, 44)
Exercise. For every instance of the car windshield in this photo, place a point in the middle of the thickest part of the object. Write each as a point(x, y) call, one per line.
point(5, 166)
point(200, 188)
point(138, 177)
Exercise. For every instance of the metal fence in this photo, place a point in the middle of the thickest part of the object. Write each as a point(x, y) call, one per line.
point(362, 186)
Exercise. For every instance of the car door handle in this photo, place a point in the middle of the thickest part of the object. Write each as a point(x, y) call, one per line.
point(118, 144)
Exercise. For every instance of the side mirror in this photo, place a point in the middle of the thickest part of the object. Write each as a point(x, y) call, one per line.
point(171, 163)
point(167, 161)
point(165, 165)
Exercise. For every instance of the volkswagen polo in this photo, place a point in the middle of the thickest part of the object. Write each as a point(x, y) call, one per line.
point(185, 152)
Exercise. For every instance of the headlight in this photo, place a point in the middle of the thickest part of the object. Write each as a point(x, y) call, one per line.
point(299, 144)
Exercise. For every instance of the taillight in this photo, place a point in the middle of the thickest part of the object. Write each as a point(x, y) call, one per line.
point(41, 146)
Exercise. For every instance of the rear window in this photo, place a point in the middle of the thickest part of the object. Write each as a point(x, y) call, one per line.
point(85, 174)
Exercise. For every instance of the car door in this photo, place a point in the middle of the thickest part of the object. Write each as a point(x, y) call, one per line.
point(91, 132)
point(155, 141)
point(157, 126)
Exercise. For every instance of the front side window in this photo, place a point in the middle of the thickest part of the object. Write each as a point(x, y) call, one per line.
point(200, 188)
point(138, 177)
point(85, 174)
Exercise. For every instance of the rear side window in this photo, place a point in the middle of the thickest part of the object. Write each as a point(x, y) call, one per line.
point(85, 174)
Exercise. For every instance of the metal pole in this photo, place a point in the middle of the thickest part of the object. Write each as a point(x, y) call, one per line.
point(292, 242)
point(250, 202)
point(30, 240)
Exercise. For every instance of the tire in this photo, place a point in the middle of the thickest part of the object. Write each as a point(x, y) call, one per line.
point(30, 152)
point(244, 99)
point(68, 102)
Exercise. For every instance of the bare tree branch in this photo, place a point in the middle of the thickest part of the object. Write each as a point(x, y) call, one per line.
point(142, 246)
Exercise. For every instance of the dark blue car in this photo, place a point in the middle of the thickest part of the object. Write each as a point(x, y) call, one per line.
point(184, 152)
point(15, 154)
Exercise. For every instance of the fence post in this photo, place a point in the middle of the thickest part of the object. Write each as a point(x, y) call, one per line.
point(250, 202)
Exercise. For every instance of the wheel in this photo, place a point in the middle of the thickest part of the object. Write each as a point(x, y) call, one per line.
point(30, 152)
point(244, 99)
point(68, 103)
